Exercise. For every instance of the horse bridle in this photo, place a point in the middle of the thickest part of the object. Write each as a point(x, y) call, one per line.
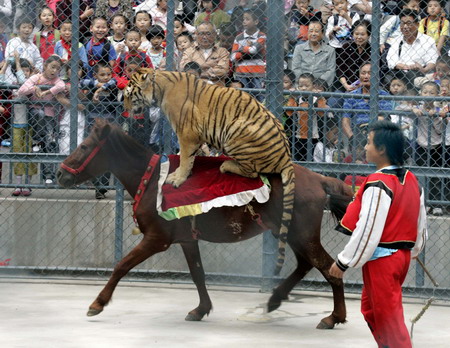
point(79, 170)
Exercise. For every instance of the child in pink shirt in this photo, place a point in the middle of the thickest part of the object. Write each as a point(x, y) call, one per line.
point(43, 118)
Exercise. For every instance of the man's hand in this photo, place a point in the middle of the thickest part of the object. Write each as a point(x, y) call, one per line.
point(335, 271)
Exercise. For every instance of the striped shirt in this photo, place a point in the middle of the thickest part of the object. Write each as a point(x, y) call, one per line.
point(248, 54)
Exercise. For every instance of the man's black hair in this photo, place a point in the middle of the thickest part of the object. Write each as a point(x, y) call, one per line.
point(407, 12)
point(389, 136)
point(289, 73)
point(193, 66)
point(155, 31)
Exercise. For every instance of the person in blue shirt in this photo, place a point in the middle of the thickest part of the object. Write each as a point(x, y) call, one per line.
point(354, 123)
point(99, 48)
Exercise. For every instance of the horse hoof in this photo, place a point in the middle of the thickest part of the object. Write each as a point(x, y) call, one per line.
point(91, 312)
point(272, 305)
point(324, 325)
point(193, 317)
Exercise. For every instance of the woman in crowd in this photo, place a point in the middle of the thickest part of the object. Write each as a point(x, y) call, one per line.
point(352, 55)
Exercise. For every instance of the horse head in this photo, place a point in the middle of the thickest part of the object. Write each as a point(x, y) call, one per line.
point(86, 161)
point(140, 90)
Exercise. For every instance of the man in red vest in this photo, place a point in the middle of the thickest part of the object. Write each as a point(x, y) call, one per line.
point(387, 225)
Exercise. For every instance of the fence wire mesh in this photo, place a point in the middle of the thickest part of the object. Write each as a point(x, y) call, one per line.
point(325, 68)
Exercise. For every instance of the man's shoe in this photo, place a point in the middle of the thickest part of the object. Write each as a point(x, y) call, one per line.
point(26, 192)
point(99, 194)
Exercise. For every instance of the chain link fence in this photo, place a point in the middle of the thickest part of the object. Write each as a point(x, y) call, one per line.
point(326, 69)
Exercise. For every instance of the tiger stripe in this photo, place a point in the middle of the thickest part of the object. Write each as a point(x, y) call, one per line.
point(227, 119)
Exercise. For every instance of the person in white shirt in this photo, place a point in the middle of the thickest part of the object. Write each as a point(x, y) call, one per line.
point(25, 48)
point(413, 53)
point(340, 23)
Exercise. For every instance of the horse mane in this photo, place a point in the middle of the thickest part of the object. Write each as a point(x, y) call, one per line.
point(125, 145)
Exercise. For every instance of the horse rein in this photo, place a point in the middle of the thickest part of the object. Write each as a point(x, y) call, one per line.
point(143, 185)
point(83, 166)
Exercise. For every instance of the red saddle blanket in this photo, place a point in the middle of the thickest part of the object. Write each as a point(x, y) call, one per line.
point(206, 188)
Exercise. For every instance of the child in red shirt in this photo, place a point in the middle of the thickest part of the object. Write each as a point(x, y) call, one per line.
point(136, 125)
point(46, 39)
point(132, 41)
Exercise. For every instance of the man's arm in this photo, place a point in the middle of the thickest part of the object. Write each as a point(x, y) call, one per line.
point(222, 64)
point(365, 238)
point(422, 231)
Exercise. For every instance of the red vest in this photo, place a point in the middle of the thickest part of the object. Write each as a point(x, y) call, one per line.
point(400, 230)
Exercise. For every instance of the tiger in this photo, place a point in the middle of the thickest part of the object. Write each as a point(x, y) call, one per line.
point(229, 120)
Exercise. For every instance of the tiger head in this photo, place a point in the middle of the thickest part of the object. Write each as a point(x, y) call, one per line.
point(139, 91)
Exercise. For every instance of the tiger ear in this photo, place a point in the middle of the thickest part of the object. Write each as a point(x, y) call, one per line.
point(147, 76)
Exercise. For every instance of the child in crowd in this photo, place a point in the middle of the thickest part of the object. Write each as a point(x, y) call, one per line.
point(22, 134)
point(248, 54)
point(442, 69)
point(139, 126)
point(430, 130)
point(159, 14)
point(23, 45)
point(63, 47)
point(132, 42)
point(210, 12)
point(180, 26)
point(156, 52)
point(102, 91)
point(299, 18)
point(289, 101)
point(339, 24)
point(143, 22)
point(435, 25)
point(64, 124)
point(183, 42)
point(98, 48)
point(320, 86)
point(44, 119)
point(119, 26)
point(109, 8)
point(46, 38)
point(327, 150)
point(303, 136)
point(398, 87)
point(3, 37)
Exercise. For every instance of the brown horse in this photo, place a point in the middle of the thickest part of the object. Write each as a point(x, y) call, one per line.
point(107, 148)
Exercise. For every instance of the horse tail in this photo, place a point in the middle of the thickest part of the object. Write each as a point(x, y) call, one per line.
point(339, 195)
point(288, 180)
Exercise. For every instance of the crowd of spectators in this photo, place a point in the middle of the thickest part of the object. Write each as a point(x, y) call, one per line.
point(327, 48)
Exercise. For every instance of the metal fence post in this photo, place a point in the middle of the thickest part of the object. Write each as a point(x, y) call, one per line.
point(170, 38)
point(118, 225)
point(74, 74)
point(274, 101)
point(375, 60)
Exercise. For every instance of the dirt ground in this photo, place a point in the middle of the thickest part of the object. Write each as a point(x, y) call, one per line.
point(42, 313)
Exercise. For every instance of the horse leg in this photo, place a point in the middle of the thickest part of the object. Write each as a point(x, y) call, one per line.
point(193, 258)
point(321, 260)
point(146, 248)
point(282, 291)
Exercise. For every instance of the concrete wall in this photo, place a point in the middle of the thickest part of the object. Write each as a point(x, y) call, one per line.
point(79, 233)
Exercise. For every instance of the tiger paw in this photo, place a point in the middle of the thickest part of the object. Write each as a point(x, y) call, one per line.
point(175, 180)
